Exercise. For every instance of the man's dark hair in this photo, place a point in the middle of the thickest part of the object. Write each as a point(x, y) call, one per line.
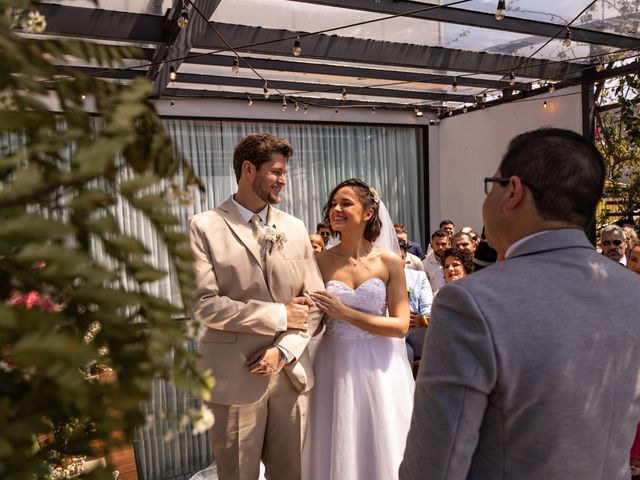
point(320, 225)
point(439, 233)
point(257, 149)
point(446, 222)
point(563, 170)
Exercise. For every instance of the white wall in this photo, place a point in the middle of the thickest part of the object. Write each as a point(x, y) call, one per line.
point(464, 149)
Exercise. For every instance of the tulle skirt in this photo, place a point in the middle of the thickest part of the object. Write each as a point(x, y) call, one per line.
point(360, 409)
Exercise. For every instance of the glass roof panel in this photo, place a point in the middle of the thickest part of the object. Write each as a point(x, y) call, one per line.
point(303, 17)
point(151, 7)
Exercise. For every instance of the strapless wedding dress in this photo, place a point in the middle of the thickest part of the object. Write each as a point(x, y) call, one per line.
point(361, 404)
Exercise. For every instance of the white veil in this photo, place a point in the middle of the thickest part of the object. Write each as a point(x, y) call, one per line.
point(388, 240)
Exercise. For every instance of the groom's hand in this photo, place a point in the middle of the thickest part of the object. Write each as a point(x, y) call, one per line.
point(297, 312)
point(266, 361)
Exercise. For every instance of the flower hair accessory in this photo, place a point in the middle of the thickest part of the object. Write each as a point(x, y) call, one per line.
point(374, 194)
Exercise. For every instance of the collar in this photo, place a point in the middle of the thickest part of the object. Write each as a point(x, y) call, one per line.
point(550, 240)
point(246, 214)
point(517, 243)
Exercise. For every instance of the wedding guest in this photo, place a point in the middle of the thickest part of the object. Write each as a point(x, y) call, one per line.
point(324, 232)
point(317, 243)
point(614, 243)
point(432, 263)
point(463, 241)
point(632, 238)
point(457, 263)
point(250, 298)
point(529, 377)
point(412, 247)
point(448, 226)
point(420, 299)
point(633, 263)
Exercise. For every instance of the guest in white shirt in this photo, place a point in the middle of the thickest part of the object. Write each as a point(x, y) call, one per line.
point(433, 261)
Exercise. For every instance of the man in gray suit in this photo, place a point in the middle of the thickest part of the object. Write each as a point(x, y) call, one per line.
point(531, 367)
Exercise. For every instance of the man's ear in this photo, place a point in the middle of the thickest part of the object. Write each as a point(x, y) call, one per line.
point(248, 169)
point(516, 193)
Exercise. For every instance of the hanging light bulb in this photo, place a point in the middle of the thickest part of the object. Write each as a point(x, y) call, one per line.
point(83, 96)
point(297, 107)
point(344, 94)
point(484, 97)
point(284, 103)
point(337, 112)
point(183, 19)
point(450, 112)
point(418, 112)
point(552, 88)
point(265, 89)
point(500, 10)
point(373, 110)
point(454, 85)
point(297, 49)
point(512, 79)
point(236, 66)
point(567, 39)
point(172, 103)
point(475, 102)
point(465, 110)
point(173, 75)
point(306, 109)
point(250, 102)
point(544, 104)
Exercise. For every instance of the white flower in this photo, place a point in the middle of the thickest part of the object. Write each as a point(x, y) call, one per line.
point(274, 237)
point(205, 422)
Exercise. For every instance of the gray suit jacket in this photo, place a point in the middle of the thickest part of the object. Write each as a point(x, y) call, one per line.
point(531, 369)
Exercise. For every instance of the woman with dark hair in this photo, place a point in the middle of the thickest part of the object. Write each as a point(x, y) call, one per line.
point(456, 263)
point(362, 400)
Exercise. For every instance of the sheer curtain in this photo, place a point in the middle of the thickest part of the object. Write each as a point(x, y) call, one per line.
point(386, 157)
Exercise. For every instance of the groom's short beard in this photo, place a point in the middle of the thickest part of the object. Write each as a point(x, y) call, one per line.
point(264, 193)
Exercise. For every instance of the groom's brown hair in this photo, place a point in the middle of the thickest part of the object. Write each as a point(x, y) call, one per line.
point(257, 149)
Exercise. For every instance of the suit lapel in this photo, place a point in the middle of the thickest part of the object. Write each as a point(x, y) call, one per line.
point(273, 218)
point(237, 224)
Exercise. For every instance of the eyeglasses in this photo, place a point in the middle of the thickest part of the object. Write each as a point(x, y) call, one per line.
point(606, 243)
point(504, 181)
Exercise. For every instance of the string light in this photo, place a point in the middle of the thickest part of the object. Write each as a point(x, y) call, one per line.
point(284, 103)
point(236, 66)
point(297, 49)
point(475, 102)
point(512, 79)
point(344, 94)
point(552, 88)
point(297, 107)
point(173, 75)
point(83, 96)
point(306, 109)
point(265, 89)
point(418, 112)
point(567, 39)
point(500, 11)
point(173, 104)
point(373, 110)
point(544, 104)
point(250, 102)
point(465, 110)
point(337, 112)
point(183, 19)
point(454, 85)
point(450, 112)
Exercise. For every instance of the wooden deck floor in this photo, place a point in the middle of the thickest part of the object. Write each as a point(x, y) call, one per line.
point(124, 462)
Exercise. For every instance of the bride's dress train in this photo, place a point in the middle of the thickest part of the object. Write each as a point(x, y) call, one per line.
point(361, 404)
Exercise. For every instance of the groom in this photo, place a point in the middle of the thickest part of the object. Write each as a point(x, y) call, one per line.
point(253, 265)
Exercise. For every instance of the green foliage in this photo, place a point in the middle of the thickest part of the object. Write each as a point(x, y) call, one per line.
point(619, 142)
point(58, 185)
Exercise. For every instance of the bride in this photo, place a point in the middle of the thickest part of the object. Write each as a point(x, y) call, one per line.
point(363, 396)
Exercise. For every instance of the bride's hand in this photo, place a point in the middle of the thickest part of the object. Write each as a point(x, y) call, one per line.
point(329, 304)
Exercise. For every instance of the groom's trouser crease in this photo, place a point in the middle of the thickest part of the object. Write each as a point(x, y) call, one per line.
point(271, 430)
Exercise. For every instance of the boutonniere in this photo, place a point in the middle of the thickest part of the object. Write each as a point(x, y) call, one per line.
point(410, 291)
point(274, 237)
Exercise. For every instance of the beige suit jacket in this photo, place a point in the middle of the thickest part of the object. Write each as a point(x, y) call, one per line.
point(238, 299)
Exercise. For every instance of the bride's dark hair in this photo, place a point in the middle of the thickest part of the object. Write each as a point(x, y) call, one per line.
point(369, 198)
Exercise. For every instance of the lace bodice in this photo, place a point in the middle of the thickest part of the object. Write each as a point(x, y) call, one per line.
point(369, 297)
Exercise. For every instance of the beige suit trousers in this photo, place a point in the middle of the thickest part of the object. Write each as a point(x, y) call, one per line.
point(271, 430)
